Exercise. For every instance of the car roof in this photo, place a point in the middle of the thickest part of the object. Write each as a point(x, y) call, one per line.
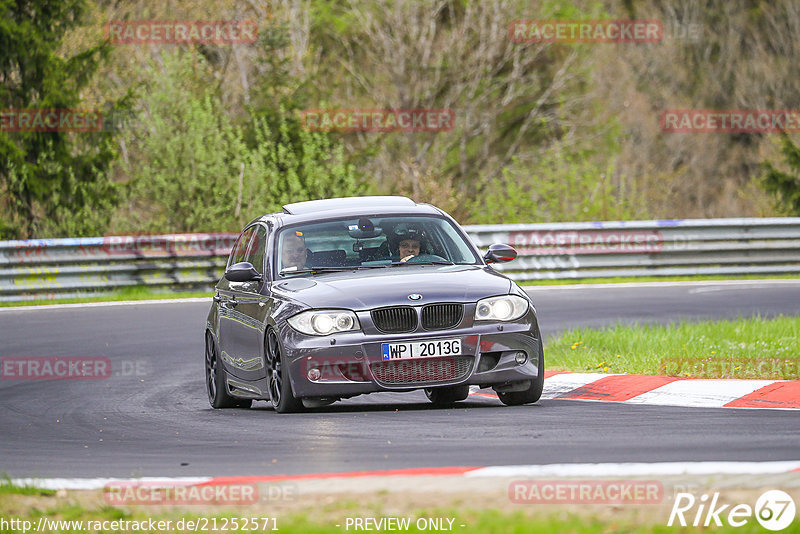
point(312, 206)
point(331, 208)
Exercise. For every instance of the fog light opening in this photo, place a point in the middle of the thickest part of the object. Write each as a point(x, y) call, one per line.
point(314, 374)
point(521, 357)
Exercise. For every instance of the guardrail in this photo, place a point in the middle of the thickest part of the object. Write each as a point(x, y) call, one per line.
point(687, 247)
point(62, 268)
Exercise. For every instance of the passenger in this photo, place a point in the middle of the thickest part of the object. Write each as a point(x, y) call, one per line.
point(294, 252)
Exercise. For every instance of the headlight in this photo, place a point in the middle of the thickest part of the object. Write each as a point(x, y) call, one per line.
point(325, 322)
point(505, 308)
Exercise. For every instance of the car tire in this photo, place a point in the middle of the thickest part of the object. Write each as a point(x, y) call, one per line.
point(280, 386)
point(216, 387)
point(530, 395)
point(447, 395)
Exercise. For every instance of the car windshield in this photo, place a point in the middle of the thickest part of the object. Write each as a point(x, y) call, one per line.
point(370, 242)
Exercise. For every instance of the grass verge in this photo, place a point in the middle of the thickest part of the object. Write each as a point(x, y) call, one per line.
point(742, 348)
point(76, 512)
point(129, 293)
point(7, 488)
point(635, 279)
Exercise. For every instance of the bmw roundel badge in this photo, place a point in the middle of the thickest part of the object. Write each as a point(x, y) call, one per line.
point(415, 296)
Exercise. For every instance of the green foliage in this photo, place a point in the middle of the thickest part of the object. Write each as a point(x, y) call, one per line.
point(333, 18)
point(786, 185)
point(80, 199)
point(288, 164)
point(54, 183)
point(506, 201)
point(7, 487)
point(560, 186)
point(185, 155)
point(543, 131)
point(193, 170)
point(741, 348)
point(559, 10)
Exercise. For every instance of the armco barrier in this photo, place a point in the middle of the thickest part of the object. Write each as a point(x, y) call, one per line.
point(58, 268)
point(688, 247)
point(62, 268)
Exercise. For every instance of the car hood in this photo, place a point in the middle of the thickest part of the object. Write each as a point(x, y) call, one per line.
point(367, 289)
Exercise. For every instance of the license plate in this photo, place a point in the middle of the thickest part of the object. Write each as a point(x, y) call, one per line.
point(421, 349)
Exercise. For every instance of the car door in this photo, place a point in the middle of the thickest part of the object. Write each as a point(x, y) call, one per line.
point(227, 301)
point(245, 307)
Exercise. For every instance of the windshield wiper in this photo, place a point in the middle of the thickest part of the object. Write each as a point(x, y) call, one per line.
point(426, 262)
point(316, 270)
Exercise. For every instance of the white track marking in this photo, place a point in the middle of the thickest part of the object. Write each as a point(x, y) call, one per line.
point(636, 469)
point(712, 393)
point(690, 393)
point(596, 470)
point(564, 383)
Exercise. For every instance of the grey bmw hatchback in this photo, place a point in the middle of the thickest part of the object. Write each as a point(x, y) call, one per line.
point(334, 298)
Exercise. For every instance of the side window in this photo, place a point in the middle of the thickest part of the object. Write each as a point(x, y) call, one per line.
point(256, 248)
point(238, 252)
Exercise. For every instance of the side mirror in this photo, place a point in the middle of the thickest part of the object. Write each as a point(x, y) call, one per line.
point(499, 253)
point(242, 272)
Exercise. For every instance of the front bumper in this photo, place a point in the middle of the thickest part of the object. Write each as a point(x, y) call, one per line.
point(349, 364)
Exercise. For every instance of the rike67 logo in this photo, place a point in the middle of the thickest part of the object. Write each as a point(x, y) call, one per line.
point(774, 510)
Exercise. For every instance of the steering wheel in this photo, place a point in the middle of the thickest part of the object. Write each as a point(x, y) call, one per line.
point(422, 258)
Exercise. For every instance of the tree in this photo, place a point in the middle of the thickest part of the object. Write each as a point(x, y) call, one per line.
point(190, 168)
point(53, 183)
point(184, 154)
point(288, 165)
point(786, 185)
point(449, 54)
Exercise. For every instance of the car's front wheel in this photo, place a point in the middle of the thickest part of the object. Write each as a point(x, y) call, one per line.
point(530, 395)
point(447, 395)
point(218, 395)
point(280, 387)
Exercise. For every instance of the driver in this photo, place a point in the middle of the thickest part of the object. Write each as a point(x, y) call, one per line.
point(408, 248)
point(294, 253)
point(407, 245)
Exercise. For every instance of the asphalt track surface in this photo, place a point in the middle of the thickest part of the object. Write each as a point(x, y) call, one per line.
point(152, 418)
